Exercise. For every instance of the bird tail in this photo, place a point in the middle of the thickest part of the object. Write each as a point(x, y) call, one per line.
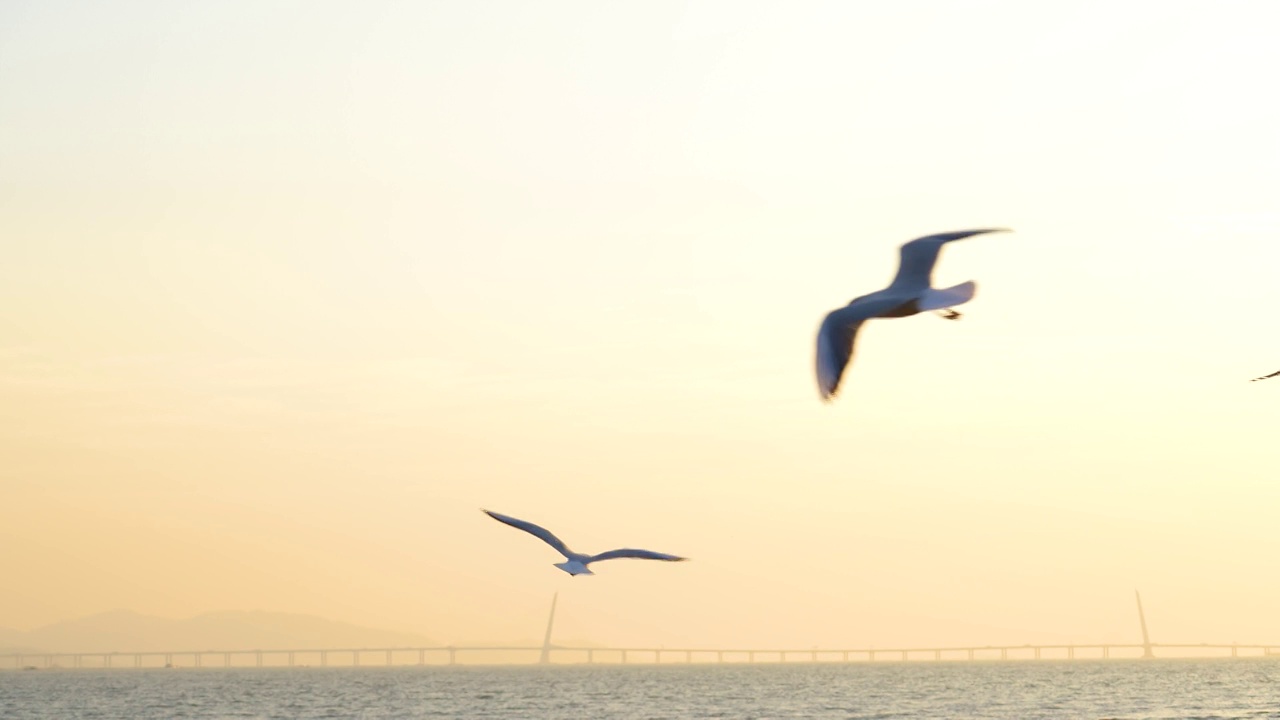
point(949, 297)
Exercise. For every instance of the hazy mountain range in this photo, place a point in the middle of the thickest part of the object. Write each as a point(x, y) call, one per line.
point(126, 631)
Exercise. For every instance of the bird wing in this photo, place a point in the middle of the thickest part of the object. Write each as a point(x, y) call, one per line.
point(836, 337)
point(917, 258)
point(535, 530)
point(633, 553)
point(1264, 377)
point(835, 350)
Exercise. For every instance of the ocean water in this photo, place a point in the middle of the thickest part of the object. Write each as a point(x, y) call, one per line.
point(1165, 689)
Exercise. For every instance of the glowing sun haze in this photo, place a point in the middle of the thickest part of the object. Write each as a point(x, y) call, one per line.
point(290, 290)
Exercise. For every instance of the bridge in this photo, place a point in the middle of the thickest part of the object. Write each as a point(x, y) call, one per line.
point(454, 655)
point(543, 654)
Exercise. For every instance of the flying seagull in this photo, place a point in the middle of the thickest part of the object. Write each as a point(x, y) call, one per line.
point(577, 562)
point(1264, 377)
point(911, 292)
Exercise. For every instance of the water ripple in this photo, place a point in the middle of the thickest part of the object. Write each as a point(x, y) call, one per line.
point(1105, 690)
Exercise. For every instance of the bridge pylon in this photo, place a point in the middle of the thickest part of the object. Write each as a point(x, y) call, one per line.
point(1142, 619)
point(545, 658)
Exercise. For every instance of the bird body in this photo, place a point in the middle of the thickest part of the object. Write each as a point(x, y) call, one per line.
point(910, 293)
point(575, 567)
point(576, 563)
point(1264, 377)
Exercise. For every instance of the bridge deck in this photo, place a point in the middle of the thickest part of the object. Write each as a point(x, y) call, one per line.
point(549, 653)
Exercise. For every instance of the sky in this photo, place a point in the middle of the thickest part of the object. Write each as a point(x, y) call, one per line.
point(291, 290)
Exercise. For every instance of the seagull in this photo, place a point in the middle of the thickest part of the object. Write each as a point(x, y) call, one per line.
point(1264, 377)
point(911, 292)
point(577, 562)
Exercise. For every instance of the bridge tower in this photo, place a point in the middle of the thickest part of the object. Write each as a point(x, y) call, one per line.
point(1146, 639)
point(545, 658)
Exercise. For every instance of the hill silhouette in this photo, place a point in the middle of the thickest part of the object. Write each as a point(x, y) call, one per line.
point(127, 631)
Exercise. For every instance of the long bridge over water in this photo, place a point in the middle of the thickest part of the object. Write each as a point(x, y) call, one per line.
point(454, 655)
point(543, 654)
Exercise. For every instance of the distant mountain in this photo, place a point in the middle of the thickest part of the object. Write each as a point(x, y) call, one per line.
point(126, 631)
point(12, 641)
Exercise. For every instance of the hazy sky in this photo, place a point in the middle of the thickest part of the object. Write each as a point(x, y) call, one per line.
point(290, 290)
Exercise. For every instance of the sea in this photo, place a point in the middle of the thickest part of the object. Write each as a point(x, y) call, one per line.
point(1164, 689)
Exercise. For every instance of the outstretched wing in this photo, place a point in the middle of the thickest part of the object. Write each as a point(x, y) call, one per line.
point(535, 530)
point(835, 347)
point(633, 553)
point(1264, 377)
point(917, 258)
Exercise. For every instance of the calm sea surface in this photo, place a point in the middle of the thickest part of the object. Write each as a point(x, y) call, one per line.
point(1078, 689)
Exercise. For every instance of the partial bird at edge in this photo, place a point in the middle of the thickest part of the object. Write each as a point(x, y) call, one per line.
point(1264, 377)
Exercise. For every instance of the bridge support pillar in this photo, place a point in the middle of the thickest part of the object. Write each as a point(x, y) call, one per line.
point(355, 658)
point(388, 658)
point(422, 660)
point(813, 656)
point(1004, 653)
point(1037, 653)
point(258, 659)
point(1071, 652)
point(688, 656)
point(226, 659)
point(937, 654)
point(453, 656)
point(591, 656)
point(198, 659)
point(871, 655)
point(904, 655)
point(624, 657)
point(1106, 651)
point(324, 659)
point(720, 656)
point(751, 656)
point(970, 653)
point(1233, 650)
point(844, 656)
point(290, 658)
point(106, 661)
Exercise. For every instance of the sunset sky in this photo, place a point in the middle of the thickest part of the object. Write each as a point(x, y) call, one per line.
point(290, 290)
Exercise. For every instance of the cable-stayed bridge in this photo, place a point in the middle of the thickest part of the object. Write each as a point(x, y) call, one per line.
point(550, 653)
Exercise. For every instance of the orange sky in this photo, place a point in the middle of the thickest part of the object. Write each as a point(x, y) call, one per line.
point(289, 294)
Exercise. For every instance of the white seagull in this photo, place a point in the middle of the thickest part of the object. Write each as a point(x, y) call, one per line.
point(577, 562)
point(910, 292)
